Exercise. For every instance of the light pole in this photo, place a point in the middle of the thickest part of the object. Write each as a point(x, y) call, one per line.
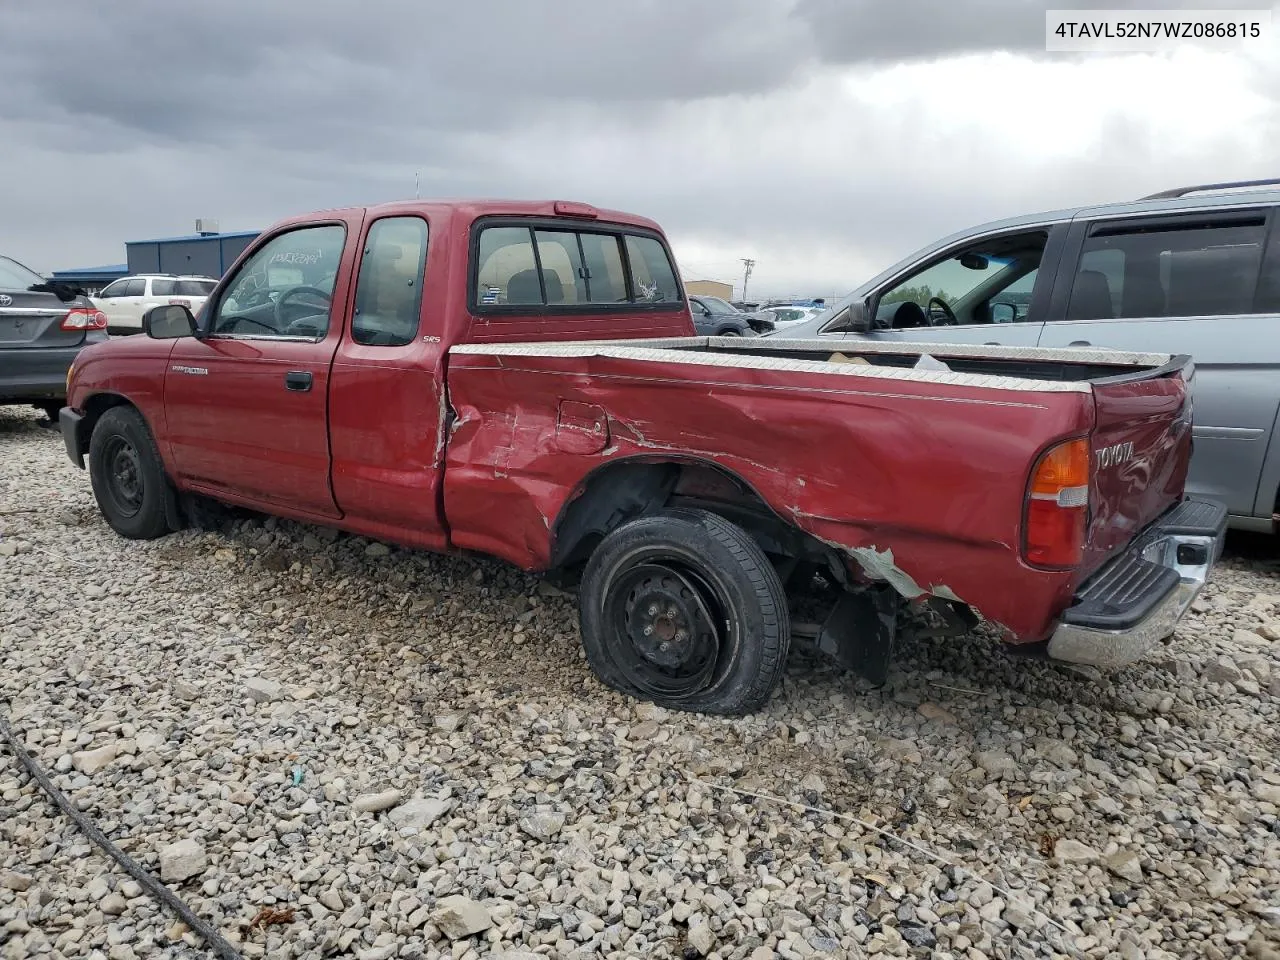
point(747, 264)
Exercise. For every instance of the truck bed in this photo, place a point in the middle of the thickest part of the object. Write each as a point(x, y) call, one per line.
point(920, 476)
point(897, 360)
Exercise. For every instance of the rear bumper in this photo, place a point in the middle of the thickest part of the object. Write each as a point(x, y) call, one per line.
point(1137, 599)
point(30, 373)
point(72, 426)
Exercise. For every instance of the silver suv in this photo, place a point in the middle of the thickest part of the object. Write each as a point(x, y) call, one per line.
point(1194, 270)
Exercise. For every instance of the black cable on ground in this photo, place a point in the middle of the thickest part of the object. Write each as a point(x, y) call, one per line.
point(220, 946)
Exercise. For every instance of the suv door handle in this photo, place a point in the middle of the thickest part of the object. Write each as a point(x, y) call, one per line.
point(299, 380)
point(1079, 343)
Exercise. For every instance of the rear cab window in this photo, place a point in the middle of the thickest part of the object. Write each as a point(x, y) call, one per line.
point(523, 266)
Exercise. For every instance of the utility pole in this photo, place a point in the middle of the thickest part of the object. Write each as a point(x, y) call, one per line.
point(415, 185)
point(747, 264)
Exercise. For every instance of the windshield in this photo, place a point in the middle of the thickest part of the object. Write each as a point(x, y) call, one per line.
point(14, 276)
point(716, 305)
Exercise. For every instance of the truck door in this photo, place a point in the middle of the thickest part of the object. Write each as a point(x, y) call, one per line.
point(386, 393)
point(247, 405)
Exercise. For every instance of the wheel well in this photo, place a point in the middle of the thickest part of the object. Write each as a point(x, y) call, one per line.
point(94, 408)
point(620, 492)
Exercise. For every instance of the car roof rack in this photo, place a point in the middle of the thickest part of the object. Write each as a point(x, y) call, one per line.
point(1204, 187)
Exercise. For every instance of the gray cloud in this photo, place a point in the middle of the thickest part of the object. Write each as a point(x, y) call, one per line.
point(872, 31)
point(724, 119)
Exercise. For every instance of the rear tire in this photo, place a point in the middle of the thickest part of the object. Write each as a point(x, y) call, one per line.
point(128, 476)
point(683, 608)
point(729, 333)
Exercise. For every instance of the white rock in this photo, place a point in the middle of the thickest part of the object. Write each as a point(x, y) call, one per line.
point(262, 690)
point(181, 860)
point(458, 916)
point(420, 812)
point(91, 761)
point(542, 826)
point(1073, 851)
point(375, 802)
point(1125, 864)
point(702, 939)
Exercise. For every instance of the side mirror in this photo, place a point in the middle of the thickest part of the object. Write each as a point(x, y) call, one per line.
point(1003, 313)
point(169, 322)
point(852, 319)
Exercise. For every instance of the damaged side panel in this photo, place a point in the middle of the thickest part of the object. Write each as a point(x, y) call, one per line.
point(920, 485)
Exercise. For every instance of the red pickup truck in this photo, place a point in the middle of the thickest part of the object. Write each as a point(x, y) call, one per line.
point(522, 380)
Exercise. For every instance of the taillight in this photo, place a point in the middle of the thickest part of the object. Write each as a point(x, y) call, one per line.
point(1058, 506)
point(84, 318)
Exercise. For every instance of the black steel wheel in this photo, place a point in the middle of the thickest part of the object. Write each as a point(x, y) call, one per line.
point(682, 608)
point(128, 476)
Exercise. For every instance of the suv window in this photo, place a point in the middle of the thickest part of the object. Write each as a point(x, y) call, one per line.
point(1177, 269)
point(194, 288)
point(546, 266)
point(161, 287)
point(389, 287)
point(285, 289)
point(985, 282)
point(115, 288)
point(137, 287)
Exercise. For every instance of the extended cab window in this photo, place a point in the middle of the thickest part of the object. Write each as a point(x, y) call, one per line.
point(551, 266)
point(1174, 269)
point(652, 278)
point(285, 289)
point(990, 281)
point(389, 288)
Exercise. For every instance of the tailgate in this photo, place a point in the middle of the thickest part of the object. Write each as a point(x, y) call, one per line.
point(1141, 445)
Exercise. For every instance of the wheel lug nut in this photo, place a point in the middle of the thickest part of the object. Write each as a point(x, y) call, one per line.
point(663, 646)
point(653, 610)
point(648, 631)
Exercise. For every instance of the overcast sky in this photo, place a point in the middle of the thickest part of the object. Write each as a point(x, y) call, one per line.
point(824, 138)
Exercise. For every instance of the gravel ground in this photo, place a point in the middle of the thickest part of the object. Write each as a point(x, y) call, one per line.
point(406, 756)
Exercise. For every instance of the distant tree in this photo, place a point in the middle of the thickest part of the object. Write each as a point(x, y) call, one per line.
point(921, 295)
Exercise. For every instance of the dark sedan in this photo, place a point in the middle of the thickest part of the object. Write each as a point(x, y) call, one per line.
point(43, 325)
point(713, 317)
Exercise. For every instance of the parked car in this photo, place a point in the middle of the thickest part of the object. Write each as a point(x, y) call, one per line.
point(478, 392)
point(124, 301)
point(714, 317)
point(1194, 270)
point(43, 325)
point(787, 318)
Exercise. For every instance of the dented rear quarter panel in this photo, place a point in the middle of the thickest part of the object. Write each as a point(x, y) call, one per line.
point(921, 483)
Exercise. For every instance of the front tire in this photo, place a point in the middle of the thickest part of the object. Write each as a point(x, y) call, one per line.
point(682, 608)
point(128, 476)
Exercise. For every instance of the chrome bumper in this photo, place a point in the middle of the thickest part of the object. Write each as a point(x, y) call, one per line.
point(1137, 599)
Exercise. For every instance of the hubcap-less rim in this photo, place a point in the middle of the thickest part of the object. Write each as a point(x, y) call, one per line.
point(123, 476)
point(668, 625)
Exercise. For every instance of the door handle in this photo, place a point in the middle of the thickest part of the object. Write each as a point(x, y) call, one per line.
point(1079, 343)
point(299, 380)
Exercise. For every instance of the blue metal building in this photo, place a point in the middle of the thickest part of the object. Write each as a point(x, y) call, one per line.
point(203, 254)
